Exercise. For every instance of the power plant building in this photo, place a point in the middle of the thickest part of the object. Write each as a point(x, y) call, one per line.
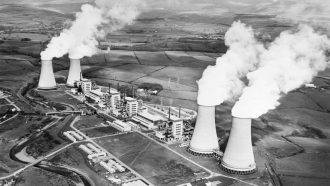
point(114, 99)
point(177, 129)
point(86, 85)
point(121, 126)
point(132, 106)
point(238, 157)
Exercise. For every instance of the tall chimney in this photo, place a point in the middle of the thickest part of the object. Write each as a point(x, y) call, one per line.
point(238, 157)
point(74, 72)
point(47, 78)
point(204, 140)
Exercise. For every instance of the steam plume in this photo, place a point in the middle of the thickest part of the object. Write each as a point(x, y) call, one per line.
point(289, 62)
point(223, 81)
point(91, 23)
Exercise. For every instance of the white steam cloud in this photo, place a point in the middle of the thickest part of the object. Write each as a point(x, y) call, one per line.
point(91, 23)
point(292, 60)
point(223, 81)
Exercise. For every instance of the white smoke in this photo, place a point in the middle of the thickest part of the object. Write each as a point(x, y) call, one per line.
point(91, 23)
point(223, 81)
point(292, 60)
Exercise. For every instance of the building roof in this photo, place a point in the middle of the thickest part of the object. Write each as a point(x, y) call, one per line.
point(98, 92)
point(130, 99)
point(149, 116)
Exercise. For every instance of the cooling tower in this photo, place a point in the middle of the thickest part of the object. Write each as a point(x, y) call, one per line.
point(74, 72)
point(204, 140)
point(238, 157)
point(47, 78)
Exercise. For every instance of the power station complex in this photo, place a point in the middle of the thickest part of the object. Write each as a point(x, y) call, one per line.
point(238, 157)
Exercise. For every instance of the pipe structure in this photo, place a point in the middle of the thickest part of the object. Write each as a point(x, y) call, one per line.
point(47, 78)
point(238, 157)
point(74, 74)
point(204, 140)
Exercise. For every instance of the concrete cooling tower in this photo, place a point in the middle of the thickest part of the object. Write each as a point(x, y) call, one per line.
point(204, 140)
point(74, 72)
point(238, 157)
point(47, 78)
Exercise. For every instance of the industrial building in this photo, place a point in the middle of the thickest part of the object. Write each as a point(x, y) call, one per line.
point(114, 99)
point(73, 136)
point(238, 157)
point(47, 77)
point(204, 140)
point(96, 155)
point(177, 129)
point(85, 84)
point(86, 149)
point(95, 149)
point(97, 95)
point(121, 126)
point(107, 167)
point(148, 120)
point(132, 106)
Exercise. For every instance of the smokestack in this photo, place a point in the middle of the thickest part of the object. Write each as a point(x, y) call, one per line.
point(74, 72)
point(204, 140)
point(238, 157)
point(179, 111)
point(47, 78)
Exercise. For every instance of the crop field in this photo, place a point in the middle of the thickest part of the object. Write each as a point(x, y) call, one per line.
point(190, 59)
point(154, 58)
point(114, 74)
point(154, 162)
point(145, 69)
point(183, 95)
point(186, 76)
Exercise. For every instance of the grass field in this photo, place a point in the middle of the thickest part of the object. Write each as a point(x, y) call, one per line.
point(60, 96)
point(154, 162)
point(100, 131)
point(89, 121)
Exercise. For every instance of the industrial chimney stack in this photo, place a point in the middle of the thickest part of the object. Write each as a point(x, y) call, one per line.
point(74, 72)
point(238, 157)
point(204, 140)
point(47, 78)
